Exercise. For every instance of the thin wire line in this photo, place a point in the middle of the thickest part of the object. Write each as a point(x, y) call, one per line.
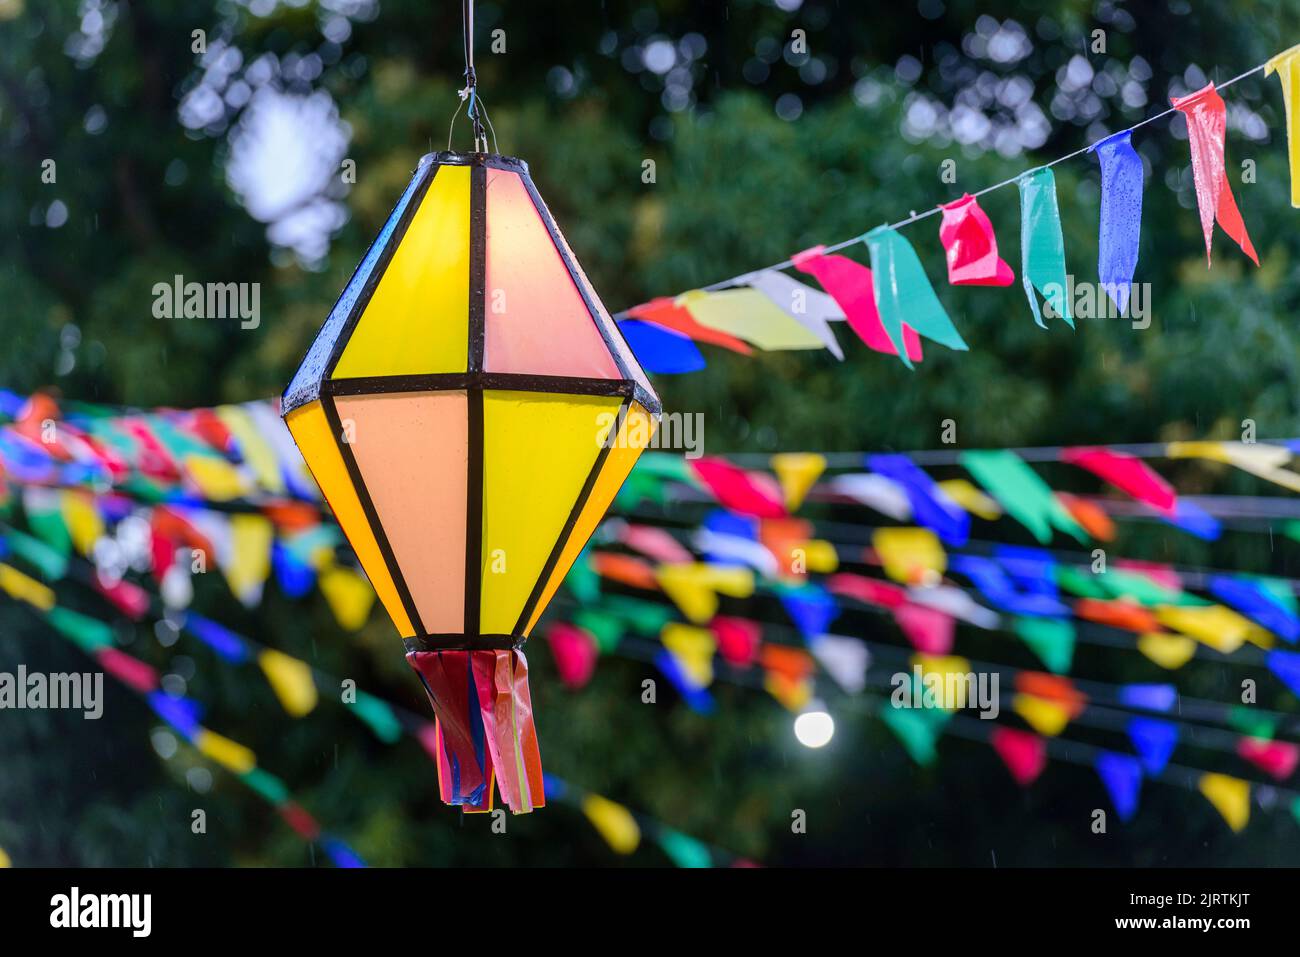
point(917, 217)
point(1029, 453)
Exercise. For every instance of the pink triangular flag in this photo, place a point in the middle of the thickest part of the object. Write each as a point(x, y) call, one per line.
point(1126, 473)
point(749, 493)
point(1023, 752)
point(849, 284)
point(1276, 758)
point(738, 639)
point(575, 654)
point(928, 629)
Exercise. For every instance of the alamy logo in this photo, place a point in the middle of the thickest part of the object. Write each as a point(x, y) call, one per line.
point(38, 691)
point(951, 691)
point(132, 911)
point(179, 299)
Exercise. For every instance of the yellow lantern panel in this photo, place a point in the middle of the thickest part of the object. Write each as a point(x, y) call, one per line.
point(635, 428)
point(417, 319)
point(315, 438)
point(535, 319)
point(538, 453)
point(412, 451)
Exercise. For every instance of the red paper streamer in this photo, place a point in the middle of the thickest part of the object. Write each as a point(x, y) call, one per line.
point(971, 246)
point(1207, 126)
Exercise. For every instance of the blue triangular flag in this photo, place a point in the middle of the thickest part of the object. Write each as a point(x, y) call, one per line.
point(1154, 739)
point(930, 507)
point(1121, 216)
point(661, 350)
point(811, 608)
point(1122, 775)
point(1149, 697)
point(1286, 665)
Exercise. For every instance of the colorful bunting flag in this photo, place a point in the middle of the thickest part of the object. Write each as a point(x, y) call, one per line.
point(972, 249)
point(904, 296)
point(850, 285)
point(1230, 797)
point(1287, 67)
point(1121, 216)
point(1207, 126)
point(812, 308)
point(1042, 245)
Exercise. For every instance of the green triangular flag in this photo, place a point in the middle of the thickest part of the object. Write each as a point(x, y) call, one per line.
point(583, 580)
point(1051, 639)
point(1251, 723)
point(1138, 588)
point(602, 625)
point(916, 733)
point(378, 716)
point(88, 634)
point(267, 785)
point(903, 294)
point(1081, 583)
point(665, 465)
point(44, 511)
point(1042, 245)
point(683, 850)
point(644, 617)
point(51, 564)
point(1020, 491)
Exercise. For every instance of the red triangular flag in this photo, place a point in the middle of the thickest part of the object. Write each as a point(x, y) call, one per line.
point(1024, 753)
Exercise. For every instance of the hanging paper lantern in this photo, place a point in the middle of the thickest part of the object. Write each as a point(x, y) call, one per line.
point(470, 410)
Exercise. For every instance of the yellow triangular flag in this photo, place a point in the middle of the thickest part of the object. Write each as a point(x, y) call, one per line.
point(1230, 797)
point(1044, 716)
point(1263, 461)
point(694, 586)
point(820, 556)
point(84, 524)
point(910, 555)
point(216, 478)
point(349, 596)
point(693, 648)
point(253, 446)
point(965, 494)
point(614, 822)
point(751, 316)
point(229, 754)
point(1168, 651)
point(17, 585)
point(1287, 67)
point(1214, 625)
point(250, 545)
point(4, 859)
point(797, 472)
point(291, 681)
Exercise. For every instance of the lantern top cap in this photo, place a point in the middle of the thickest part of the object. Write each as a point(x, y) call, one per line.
point(487, 160)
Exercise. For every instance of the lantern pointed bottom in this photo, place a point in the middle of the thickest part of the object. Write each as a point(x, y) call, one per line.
point(485, 738)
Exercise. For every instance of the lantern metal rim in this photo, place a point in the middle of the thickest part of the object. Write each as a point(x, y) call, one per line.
point(484, 160)
point(419, 644)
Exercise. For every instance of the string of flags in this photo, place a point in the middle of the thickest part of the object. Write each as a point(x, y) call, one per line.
point(296, 685)
point(750, 544)
point(892, 306)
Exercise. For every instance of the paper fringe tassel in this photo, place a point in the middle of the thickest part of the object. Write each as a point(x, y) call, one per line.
point(485, 734)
